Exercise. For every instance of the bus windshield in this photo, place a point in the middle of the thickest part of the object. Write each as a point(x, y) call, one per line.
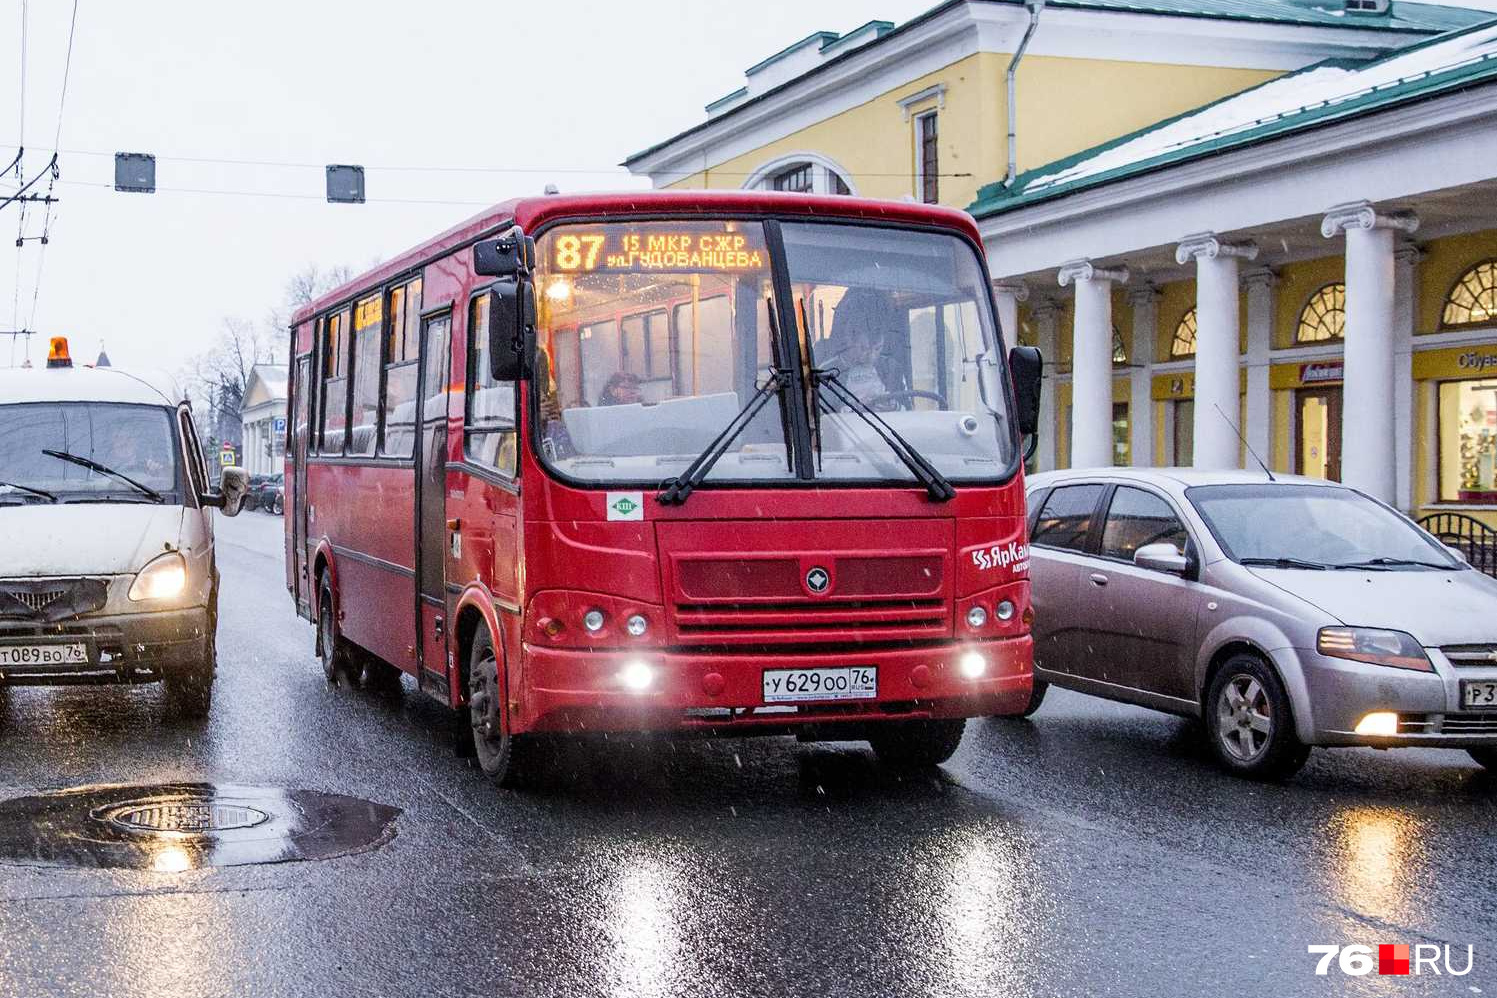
point(654, 335)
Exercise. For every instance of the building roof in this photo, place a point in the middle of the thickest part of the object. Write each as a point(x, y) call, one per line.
point(1401, 20)
point(1322, 94)
point(88, 384)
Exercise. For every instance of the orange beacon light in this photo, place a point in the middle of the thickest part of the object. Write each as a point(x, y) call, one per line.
point(57, 353)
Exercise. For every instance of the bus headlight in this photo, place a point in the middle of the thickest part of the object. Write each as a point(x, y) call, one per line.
point(593, 621)
point(163, 578)
point(973, 665)
point(976, 617)
point(636, 626)
point(1005, 610)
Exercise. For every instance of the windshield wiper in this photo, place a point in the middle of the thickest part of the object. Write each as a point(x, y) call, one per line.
point(1313, 566)
point(1394, 563)
point(679, 488)
point(105, 470)
point(936, 484)
point(26, 488)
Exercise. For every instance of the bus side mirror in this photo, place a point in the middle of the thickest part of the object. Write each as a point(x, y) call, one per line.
point(511, 329)
point(511, 255)
point(1027, 367)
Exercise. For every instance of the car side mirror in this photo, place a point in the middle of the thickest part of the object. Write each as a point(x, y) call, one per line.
point(511, 329)
point(232, 486)
point(1027, 366)
point(1162, 557)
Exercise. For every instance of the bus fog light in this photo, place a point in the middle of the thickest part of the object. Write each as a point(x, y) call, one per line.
point(1005, 610)
point(973, 665)
point(637, 625)
point(1382, 724)
point(593, 621)
point(976, 617)
point(637, 676)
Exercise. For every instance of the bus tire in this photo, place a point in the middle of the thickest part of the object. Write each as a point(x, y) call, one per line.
point(332, 648)
point(504, 758)
point(917, 744)
point(380, 675)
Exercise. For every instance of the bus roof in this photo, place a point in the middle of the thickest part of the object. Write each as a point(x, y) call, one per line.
point(532, 212)
point(87, 384)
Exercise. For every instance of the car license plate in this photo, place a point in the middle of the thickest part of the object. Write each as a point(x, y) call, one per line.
point(1480, 695)
point(68, 654)
point(853, 682)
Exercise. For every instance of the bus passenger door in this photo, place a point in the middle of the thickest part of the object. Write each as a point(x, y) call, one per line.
point(297, 492)
point(431, 501)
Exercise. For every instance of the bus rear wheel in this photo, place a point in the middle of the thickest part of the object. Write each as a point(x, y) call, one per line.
point(331, 648)
point(505, 758)
point(917, 744)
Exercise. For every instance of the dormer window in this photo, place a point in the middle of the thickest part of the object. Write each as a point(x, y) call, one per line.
point(1367, 6)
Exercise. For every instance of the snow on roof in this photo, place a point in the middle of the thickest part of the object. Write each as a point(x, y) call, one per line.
point(88, 384)
point(272, 376)
point(1324, 87)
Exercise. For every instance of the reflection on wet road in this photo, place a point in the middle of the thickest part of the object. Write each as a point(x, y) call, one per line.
point(1093, 850)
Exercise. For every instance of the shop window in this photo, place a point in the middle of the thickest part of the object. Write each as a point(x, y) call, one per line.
point(1184, 343)
point(1185, 432)
point(1122, 445)
point(1468, 441)
point(1324, 316)
point(1473, 300)
point(927, 159)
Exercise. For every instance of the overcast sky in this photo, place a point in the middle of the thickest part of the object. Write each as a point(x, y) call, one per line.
point(560, 90)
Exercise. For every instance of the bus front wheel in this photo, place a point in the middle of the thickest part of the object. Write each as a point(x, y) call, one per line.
point(916, 744)
point(504, 758)
point(332, 649)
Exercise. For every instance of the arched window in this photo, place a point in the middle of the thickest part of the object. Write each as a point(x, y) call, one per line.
point(1184, 343)
point(1473, 300)
point(804, 173)
point(1324, 316)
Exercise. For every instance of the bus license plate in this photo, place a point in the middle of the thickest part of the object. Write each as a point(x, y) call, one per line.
point(1481, 695)
point(69, 654)
point(853, 682)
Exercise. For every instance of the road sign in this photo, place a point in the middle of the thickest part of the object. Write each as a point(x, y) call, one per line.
point(279, 424)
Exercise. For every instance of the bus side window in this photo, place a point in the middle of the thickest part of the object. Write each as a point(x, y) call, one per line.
point(333, 397)
point(402, 346)
point(489, 437)
point(367, 324)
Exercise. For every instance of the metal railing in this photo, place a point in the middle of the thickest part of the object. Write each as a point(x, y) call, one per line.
point(1474, 539)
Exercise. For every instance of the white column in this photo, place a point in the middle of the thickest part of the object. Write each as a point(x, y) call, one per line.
point(1217, 346)
point(1262, 285)
point(1368, 452)
point(1145, 302)
point(1046, 313)
point(1091, 363)
point(1007, 295)
point(1406, 259)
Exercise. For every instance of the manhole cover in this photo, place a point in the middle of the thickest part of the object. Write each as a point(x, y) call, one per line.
point(183, 826)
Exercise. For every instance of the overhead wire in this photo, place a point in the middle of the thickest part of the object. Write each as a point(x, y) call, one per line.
point(54, 173)
point(20, 168)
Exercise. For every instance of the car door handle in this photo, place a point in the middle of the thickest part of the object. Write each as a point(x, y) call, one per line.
point(1098, 579)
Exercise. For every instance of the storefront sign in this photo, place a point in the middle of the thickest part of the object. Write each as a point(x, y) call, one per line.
point(1477, 361)
point(1321, 372)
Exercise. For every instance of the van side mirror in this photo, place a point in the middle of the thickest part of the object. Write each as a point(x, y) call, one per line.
point(1027, 367)
point(232, 487)
point(511, 329)
point(510, 255)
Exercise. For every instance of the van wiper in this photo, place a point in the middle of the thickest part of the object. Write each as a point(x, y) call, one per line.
point(26, 488)
point(679, 488)
point(1313, 566)
point(936, 485)
point(105, 470)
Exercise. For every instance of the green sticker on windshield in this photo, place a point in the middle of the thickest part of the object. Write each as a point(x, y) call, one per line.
point(626, 505)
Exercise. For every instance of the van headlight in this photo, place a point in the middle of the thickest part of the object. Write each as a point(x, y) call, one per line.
point(163, 578)
point(1373, 645)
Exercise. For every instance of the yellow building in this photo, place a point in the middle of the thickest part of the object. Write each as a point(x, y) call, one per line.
point(1215, 217)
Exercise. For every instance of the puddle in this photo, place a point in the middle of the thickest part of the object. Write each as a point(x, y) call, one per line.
point(183, 826)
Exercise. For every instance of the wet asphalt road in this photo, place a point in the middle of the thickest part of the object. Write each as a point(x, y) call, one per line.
point(1091, 851)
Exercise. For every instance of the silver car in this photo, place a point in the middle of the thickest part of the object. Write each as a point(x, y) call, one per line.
point(1284, 613)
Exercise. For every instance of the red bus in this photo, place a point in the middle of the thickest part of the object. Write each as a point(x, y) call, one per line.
point(724, 463)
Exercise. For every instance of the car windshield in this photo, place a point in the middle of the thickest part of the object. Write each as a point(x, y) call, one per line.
point(136, 441)
point(1312, 527)
point(654, 335)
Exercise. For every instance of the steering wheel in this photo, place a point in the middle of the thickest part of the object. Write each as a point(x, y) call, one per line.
point(892, 399)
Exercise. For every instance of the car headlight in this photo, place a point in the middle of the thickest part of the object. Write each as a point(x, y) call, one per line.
point(163, 578)
point(1373, 645)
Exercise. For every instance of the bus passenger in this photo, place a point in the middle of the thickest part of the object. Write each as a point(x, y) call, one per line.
point(621, 389)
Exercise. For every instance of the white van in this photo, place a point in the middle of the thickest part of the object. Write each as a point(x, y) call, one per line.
point(107, 571)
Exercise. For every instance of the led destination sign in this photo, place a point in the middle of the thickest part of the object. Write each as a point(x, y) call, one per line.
point(646, 248)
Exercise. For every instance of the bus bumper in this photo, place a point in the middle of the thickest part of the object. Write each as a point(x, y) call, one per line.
point(723, 693)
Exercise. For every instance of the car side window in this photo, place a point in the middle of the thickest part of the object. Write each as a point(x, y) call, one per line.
point(1136, 519)
point(1066, 520)
point(1033, 502)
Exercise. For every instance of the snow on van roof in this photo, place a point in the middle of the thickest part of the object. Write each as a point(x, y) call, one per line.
point(88, 384)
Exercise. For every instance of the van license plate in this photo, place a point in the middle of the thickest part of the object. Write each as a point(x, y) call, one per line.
point(853, 682)
point(1481, 695)
point(69, 654)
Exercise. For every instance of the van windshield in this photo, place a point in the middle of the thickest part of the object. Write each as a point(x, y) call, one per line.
point(135, 441)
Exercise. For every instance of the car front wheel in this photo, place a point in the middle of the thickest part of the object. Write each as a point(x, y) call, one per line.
point(1249, 723)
